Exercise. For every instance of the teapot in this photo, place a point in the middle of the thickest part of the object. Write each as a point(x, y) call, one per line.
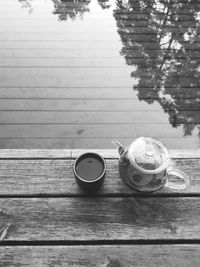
point(146, 166)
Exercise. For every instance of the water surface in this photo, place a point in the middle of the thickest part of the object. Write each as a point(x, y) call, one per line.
point(77, 74)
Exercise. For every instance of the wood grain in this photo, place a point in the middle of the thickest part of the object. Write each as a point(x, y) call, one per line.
point(90, 256)
point(97, 117)
point(64, 77)
point(109, 77)
point(77, 35)
point(73, 153)
point(93, 104)
point(70, 62)
point(73, 52)
point(55, 176)
point(73, 62)
point(90, 131)
point(77, 104)
point(19, 34)
point(85, 142)
point(60, 44)
point(92, 53)
point(100, 218)
point(89, 92)
point(137, 18)
point(83, 117)
point(67, 92)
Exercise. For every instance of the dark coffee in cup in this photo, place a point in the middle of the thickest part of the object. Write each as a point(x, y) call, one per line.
point(89, 170)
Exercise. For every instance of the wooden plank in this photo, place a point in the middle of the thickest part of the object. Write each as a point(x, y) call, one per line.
point(91, 130)
point(136, 17)
point(108, 77)
point(77, 52)
point(73, 33)
point(191, 142)
point(95, 104)
point(159, 9)
point(146, 40)
point(60, 44)
point(73, 62)
point(140, 16)
point(71, 3)
point(164, 54)
point(84, 117)
point(36, 20)
point(144, 15)
point(98, 92)
point(132, 37)
point(68, 40)
point(33, 25)
point(68, 92)
point(10, 2)
point(54, 176)
point(92, 34)
point(55, 53)
point(73, 153)
point(101, 218)
point(192, 2)
point(49, 5)
point(43, 13)
point(97, 117)
point(16, 33)
point(70, 62)
point(67, 73)
point(65, 77)
point(85, 104)
point(128, 20)
point(104, 256)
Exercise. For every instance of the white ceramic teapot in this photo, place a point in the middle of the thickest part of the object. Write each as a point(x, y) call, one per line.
point(146, 166)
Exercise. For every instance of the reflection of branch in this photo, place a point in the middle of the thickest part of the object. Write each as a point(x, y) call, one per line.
point(104, 4)
point(168, 48)
point(26, 3)
point(170, 42)
point(164, 22)
point(165, 43)
point(167, 65)
point(72, 9)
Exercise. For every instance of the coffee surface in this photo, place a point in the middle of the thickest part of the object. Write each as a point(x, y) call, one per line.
point(89, 168)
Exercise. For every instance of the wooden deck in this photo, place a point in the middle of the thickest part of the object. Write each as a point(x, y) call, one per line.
point(65, 84)
point(47, 220)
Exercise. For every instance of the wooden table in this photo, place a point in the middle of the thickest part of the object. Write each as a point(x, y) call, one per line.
point(47, 220)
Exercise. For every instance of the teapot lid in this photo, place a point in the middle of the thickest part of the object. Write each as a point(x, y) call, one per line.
point(148, 155)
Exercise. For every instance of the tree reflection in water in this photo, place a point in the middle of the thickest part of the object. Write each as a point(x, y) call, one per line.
point(161, 38)
point(26, 4)
point(74, 9)
point(69, 9)
point(104, 4)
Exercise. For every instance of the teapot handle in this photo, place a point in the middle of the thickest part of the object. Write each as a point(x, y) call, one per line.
point(176, 173)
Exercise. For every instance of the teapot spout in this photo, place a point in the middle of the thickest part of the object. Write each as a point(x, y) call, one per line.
point(121, 149)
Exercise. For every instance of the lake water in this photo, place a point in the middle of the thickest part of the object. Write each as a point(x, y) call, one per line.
point(78, 74)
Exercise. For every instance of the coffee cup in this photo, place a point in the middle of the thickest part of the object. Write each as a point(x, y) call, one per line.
point(89, 170)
